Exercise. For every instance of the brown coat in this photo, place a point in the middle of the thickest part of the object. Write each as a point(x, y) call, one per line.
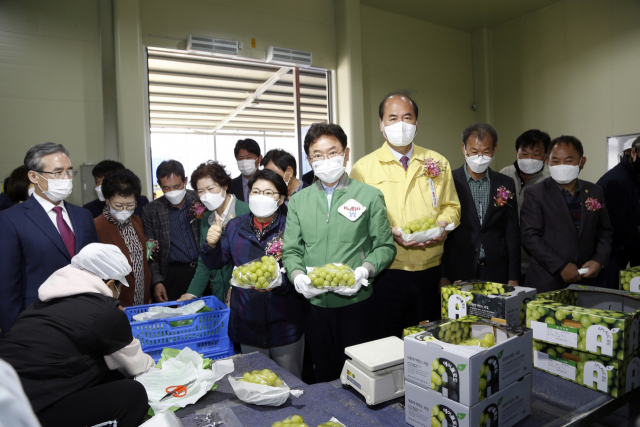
point(108, 233)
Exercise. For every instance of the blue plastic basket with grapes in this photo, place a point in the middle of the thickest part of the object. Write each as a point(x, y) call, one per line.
point(261, 273)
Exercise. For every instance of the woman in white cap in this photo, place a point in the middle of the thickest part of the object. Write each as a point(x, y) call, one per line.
point(73, 348)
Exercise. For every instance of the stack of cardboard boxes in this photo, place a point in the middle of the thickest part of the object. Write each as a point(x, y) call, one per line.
point(447, 384)
point(588, 335)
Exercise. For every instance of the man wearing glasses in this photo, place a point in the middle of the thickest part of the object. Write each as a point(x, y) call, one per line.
point(336, 220)
point(42, 234)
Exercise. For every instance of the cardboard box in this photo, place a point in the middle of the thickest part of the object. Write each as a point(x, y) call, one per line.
point(600, 321)
point(630, 280)
point(493, 301)
point(415, 329)
point(467, 374)
point(608, 375)
point(426, 408)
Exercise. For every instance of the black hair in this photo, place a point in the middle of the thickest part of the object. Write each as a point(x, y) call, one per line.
point(320, 129)
point(566, 140)
point(105, 167)
point(213, 170)
point(274, 178)
point(17, 184)
point(121, 183)
point(281, 158)
point(530, 138)
point(405, 93)
point(168, 168)
point(248, 144)
point(481, 131)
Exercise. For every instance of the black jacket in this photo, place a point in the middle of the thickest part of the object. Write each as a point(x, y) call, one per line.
point(550, 236)
point(621, 186)
point(499, 235)
point(236, 188)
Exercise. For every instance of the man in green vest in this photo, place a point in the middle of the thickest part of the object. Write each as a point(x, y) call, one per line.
point(336, 220)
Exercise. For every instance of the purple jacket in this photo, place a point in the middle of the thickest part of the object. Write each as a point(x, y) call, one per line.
point(258, 319)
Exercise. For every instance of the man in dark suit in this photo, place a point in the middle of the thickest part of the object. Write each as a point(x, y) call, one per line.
point(171, 221)
point(486, 244)
point(621, 186)
point(99, 171)
point(247, 152)
point(42, 234)
point(564, 222)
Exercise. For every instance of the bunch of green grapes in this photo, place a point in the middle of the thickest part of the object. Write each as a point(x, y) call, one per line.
point(452, 332)
point(294, 421)
point(626, 276)
point(580, 318)
point(437, 417)
point(412, 330)
point(487, 341)
point(614, 382)
point(332, 276)
point(417, 225)
point(330, 424)
point(484, 381)
point(437, 371)
point(563, 296)
point(257, 274)
point(484, 419)
point(265, 377)
point(488, 288)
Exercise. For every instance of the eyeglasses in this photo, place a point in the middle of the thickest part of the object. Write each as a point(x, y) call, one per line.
point(331, 155)
point(61, 174)
point(268, 193)
point(129, 207)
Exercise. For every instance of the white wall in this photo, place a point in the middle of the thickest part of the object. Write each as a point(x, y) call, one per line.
point(50, 80)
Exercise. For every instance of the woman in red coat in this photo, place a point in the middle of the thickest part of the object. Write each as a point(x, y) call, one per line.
point(119, 226)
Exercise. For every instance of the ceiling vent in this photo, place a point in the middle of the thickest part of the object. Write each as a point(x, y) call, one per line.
point(211, 46)
point(282, 56)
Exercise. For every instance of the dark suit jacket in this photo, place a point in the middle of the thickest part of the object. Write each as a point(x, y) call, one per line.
point(31, 249)
point(236, 188)
point(499, 235)
point(109, 234)
point(96, 206)
point(155, 218)
point(549, 235)
point(621, 186)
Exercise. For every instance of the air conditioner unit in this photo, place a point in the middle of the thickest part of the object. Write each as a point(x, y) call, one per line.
point(283, 56)
point(211, 46)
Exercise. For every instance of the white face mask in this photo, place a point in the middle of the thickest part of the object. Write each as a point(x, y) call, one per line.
point(31, 190)
point(99, 193)
point(121, 216)
point(213, 200)
point(329, 170)
point(400, 134)
point(479, 164)
point(564, 174)
point(262, 206)
point(289, 180)
point(176, 196)
point(247, 167)
point(58, 189)
point(530, 166)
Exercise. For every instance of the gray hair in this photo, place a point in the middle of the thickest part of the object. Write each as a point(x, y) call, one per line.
point(33, 159)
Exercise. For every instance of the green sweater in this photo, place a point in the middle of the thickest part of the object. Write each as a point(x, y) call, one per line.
point(314, 237)
point(219, 279)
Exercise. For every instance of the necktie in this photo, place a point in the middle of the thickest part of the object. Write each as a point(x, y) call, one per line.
point(405, 162)
point(68, 237)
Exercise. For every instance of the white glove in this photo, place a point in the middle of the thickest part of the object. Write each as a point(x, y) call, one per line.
point(361, 273)
point(302, 282)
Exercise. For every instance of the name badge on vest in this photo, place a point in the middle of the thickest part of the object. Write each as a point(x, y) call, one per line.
point(352, 210)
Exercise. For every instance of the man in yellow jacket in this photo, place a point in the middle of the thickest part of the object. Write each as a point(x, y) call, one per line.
point(416, 183)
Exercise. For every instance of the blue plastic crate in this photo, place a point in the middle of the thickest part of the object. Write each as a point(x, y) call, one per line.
point(212, 348)
point(204, 327)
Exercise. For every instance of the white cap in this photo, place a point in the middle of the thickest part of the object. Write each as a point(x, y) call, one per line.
point(627, 144)
point(105, 261)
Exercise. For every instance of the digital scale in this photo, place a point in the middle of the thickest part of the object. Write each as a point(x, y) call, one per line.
point(376, 369)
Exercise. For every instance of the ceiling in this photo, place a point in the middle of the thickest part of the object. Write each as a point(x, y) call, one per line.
point(198, 92)
point(466, 15)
